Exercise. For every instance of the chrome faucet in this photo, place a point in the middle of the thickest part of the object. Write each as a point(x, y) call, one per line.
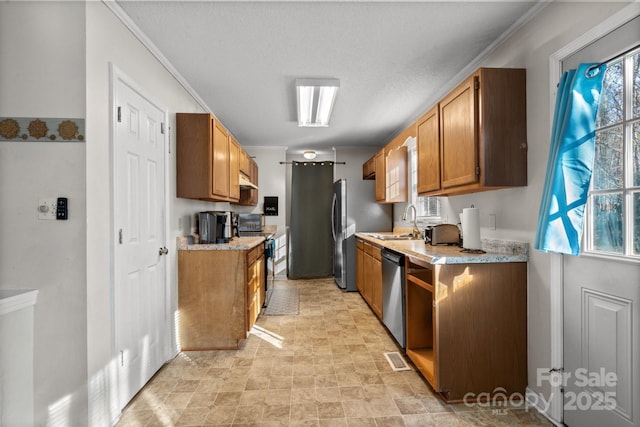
point(415, 232)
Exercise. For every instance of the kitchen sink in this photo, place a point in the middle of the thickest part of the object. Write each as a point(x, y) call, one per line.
point(405, 236)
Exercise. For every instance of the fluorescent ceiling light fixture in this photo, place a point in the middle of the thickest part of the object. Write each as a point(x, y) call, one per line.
point(315, 101)
point(309, 154)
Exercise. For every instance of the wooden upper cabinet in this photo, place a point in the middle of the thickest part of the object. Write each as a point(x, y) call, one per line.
point(220, 175)
point(249, 196)
point(245, 164)
point(381, 186)
point(253, 177)
point(459, 135)
point(369, 169)
point(207, 159)
point(396, 175)
point(194, 156)
point(428, 150)
point(483, 132)
point(389, 168)
point(234, 169)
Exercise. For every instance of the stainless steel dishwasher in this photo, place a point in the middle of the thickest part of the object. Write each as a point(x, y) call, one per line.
point(393, 298)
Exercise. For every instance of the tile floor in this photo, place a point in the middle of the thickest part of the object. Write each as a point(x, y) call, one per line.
point(323, 367)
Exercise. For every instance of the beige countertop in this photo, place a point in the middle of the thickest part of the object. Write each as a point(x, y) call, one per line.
point(495, 250)
point(237, 243)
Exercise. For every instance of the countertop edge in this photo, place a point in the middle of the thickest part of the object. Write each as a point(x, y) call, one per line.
point(495, 251)
point(236, 244)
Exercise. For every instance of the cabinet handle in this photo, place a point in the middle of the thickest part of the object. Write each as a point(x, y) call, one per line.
point(163, 251)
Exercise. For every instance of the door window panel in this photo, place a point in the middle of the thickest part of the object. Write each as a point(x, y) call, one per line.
point(613, 210)
point(610, 108)
point(608, 171)
point(608, 230)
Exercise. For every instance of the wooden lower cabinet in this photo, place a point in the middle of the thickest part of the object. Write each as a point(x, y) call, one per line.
point(255, 284)
point(467, 327)
point(360, 266)
point(220, 295)
point(369, 275)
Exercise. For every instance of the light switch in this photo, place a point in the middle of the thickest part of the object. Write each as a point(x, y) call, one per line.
point(47, 208)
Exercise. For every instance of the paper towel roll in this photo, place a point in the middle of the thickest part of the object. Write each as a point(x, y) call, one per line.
point(471, 228)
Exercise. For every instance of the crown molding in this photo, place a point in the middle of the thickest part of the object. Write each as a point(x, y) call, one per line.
point(115, 8)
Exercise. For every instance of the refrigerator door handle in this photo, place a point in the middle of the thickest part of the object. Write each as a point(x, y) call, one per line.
point(333, 217)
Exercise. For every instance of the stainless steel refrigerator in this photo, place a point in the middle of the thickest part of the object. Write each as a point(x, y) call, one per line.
point(353, 211)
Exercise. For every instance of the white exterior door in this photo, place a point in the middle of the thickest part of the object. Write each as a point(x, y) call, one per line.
point(601, 343)
point(602, 294)
point(141, 318)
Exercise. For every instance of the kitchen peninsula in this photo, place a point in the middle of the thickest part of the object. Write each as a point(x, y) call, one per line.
point(466, 316)
point(220, 292)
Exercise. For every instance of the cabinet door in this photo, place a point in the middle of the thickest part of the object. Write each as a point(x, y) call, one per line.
point(253, 294)
point(253, 200)
point(367, 276)
point(244, 163)
point(381, 185)
point(234, 169)
point(372, 284)
point(459, 136)
point(369, 169)
point(261, 280)
point(254, 172)
point(428, 149)
point(193, 155)
point(360, 266)
point(220, 161)
point(396, 175)
point(376, 286)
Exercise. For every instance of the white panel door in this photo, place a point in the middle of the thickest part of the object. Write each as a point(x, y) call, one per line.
point(601, 343)
point(141, 324)
point(602, 295)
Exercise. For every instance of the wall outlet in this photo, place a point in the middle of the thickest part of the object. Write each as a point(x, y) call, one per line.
point(47, 208)
point(492, 221)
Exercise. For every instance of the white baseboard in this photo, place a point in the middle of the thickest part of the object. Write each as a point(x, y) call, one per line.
point(536, 403)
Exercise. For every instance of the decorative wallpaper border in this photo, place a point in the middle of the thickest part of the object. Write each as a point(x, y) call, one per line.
point(41, 129)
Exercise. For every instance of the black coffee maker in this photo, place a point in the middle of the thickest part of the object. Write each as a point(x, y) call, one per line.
point(214, 227)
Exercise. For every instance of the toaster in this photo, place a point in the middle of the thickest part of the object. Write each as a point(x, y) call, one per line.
point(442, 234)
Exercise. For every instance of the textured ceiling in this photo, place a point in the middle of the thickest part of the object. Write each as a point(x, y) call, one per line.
point(393, 59)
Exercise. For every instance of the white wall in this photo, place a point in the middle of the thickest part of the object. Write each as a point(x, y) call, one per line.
point(42, 56)
point(271, 182)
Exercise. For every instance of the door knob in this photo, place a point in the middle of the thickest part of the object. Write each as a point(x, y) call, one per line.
point(163, 251)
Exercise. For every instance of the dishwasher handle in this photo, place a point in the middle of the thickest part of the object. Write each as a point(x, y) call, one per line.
point(394, 257)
